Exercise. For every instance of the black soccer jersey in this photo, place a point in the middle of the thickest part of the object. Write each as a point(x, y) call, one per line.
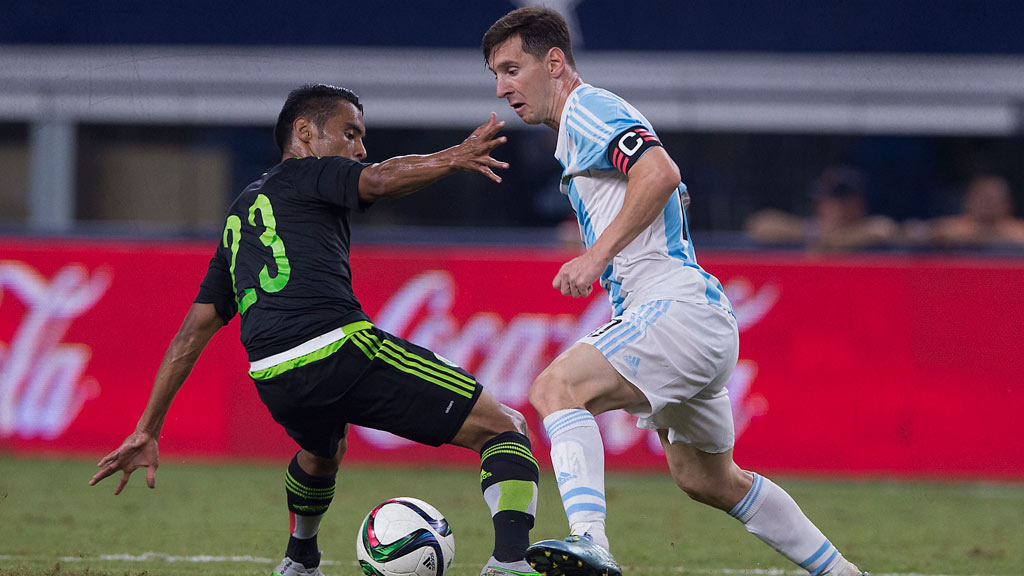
point(283, 259)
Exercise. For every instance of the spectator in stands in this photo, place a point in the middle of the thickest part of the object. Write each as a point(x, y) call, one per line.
point(840, 221)
point(986, 219)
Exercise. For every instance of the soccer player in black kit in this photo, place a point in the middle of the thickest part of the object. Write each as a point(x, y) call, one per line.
point(318, 362)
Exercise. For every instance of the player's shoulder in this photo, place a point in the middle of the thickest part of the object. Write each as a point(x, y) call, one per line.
point(597, 101)
point(311, 163)
point(271, 182)
point(601, 111)
point(307, 171)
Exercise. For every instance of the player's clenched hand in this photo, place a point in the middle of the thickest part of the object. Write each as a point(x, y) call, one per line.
point(577, 276)
point(474, 154)
point(137, 451)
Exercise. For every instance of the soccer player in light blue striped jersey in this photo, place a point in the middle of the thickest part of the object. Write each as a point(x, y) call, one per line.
point(672, 343)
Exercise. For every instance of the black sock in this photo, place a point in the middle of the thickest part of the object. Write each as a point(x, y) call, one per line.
point(305, 551)
point(308, 496)
point(508, 477)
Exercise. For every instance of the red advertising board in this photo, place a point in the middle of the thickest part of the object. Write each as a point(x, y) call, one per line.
point(890, 365)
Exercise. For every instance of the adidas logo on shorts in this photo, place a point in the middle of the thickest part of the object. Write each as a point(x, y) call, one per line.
point(633, 361)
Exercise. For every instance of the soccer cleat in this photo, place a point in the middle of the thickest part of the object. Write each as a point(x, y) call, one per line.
point(289, 567)
point(847, 569)
point(496, 568)
point(574, 556)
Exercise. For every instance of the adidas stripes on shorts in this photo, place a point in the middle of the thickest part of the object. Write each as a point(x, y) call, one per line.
point(680, 355)
point(376, 380)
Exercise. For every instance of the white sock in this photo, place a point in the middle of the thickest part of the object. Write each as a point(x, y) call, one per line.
point(577, 455)
point(772, 515)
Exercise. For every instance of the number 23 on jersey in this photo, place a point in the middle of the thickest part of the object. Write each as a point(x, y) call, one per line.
point(232, 237)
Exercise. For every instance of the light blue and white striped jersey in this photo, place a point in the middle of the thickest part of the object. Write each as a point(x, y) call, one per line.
point(659, 263)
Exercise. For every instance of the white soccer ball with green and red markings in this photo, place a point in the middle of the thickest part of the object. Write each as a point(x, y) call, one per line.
point(405, 537)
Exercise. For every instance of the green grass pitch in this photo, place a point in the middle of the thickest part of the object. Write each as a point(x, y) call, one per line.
point(230, 519)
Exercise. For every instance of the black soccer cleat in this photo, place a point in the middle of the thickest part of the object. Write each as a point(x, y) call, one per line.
point(574, 556)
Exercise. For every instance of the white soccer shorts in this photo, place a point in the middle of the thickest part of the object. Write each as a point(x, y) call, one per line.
point(680, 355)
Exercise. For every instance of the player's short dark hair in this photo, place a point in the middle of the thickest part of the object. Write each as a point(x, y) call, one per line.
point(539, 28)
point(314, 102)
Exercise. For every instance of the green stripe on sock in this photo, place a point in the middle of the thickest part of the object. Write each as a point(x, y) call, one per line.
point(296, 487)
point(292, 480)
point(305, 493)
point(509, 448)
point(516, 495)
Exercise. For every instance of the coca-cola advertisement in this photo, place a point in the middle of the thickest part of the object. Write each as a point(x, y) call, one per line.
point(885, 365)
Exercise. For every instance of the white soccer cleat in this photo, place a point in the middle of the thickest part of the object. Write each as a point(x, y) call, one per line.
point(289, 567)
point(496, 568)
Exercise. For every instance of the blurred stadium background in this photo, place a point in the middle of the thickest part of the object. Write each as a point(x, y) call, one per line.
point(126, 128)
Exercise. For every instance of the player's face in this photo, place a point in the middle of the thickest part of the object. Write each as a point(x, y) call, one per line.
point(523, 81)
point(342, 134)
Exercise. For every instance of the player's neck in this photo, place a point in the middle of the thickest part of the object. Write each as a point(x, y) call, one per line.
point(565, 88)
point(295, 151)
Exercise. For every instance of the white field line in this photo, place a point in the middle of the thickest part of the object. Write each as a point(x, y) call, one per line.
point(202, 559)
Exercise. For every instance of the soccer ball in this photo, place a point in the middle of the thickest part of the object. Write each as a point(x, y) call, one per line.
point(405, 537)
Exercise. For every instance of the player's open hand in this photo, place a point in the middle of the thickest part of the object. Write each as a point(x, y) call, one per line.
point(137, 451)
point(474, 154)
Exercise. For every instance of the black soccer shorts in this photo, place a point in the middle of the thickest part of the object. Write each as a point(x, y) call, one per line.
point(375, 380)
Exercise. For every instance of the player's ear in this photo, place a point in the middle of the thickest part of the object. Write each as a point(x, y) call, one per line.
point(555, 61)
point(303, 129)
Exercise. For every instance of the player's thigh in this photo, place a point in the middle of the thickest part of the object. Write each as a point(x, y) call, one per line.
point(673, 350)
point(581, 377)
point(408, 390)
point(307, 402)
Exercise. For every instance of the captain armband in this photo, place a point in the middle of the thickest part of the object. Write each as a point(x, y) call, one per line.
point(629, 146)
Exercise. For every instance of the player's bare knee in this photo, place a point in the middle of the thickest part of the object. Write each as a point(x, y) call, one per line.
point(517, 422)
point(317, 465)
point(550, 392)
point(488, 419)
point(507, 419)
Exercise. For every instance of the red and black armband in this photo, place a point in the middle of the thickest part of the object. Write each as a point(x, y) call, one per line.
point(629, 146)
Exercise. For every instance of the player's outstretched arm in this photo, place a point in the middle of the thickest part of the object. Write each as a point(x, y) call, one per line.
point(403, 175)
point(140, 448)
